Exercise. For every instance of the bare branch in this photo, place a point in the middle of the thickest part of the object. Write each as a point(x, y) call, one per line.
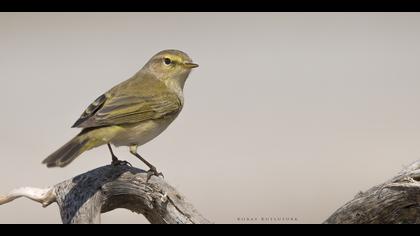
point(83, 198)
point(395, 201)
point(44, 196)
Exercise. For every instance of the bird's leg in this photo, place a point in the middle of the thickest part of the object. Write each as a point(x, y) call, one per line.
point(115, 161)
point(114, 158)
point(152, 169)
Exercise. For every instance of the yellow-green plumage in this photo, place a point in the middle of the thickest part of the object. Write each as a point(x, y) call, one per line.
point(133, 112)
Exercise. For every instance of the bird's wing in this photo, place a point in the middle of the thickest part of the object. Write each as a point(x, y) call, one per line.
point(91, 110)
point(131, 102)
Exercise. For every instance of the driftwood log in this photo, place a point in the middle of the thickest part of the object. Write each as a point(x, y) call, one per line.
point(83, 198)
point(396, 201)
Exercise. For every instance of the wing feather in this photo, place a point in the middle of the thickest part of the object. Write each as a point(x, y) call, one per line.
point(131, 102)
point(91, 110)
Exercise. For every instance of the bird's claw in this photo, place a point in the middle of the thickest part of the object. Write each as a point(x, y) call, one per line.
point(119, 162)
point(153, 172)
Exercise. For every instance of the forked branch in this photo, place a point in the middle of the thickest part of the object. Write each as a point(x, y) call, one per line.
point(83, 198)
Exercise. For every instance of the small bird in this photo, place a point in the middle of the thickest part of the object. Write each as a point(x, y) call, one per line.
point(133, 112)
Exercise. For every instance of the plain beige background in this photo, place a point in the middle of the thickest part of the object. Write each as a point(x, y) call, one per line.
point(288, 115)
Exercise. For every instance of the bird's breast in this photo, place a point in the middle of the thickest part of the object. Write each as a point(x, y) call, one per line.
point(142, 132)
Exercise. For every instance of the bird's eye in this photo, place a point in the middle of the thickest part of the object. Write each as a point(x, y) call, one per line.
point(167, 61)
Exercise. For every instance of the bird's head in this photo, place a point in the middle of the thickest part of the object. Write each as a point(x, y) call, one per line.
point(170, 65)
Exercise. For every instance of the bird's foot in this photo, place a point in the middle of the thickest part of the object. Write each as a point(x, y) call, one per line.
point(153, 172)
point(116, 162)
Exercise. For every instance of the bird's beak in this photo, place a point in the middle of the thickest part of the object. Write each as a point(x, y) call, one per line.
point(190, 65)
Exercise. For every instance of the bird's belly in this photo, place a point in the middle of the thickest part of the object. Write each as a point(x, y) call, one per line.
point(141, 133)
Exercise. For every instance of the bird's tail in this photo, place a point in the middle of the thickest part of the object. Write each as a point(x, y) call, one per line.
point(72, 149)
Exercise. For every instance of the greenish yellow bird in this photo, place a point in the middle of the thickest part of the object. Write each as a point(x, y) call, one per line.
point(133, 112)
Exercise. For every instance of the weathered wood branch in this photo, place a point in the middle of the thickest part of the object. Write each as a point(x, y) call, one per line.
point(396, 201)
point(83, 198)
